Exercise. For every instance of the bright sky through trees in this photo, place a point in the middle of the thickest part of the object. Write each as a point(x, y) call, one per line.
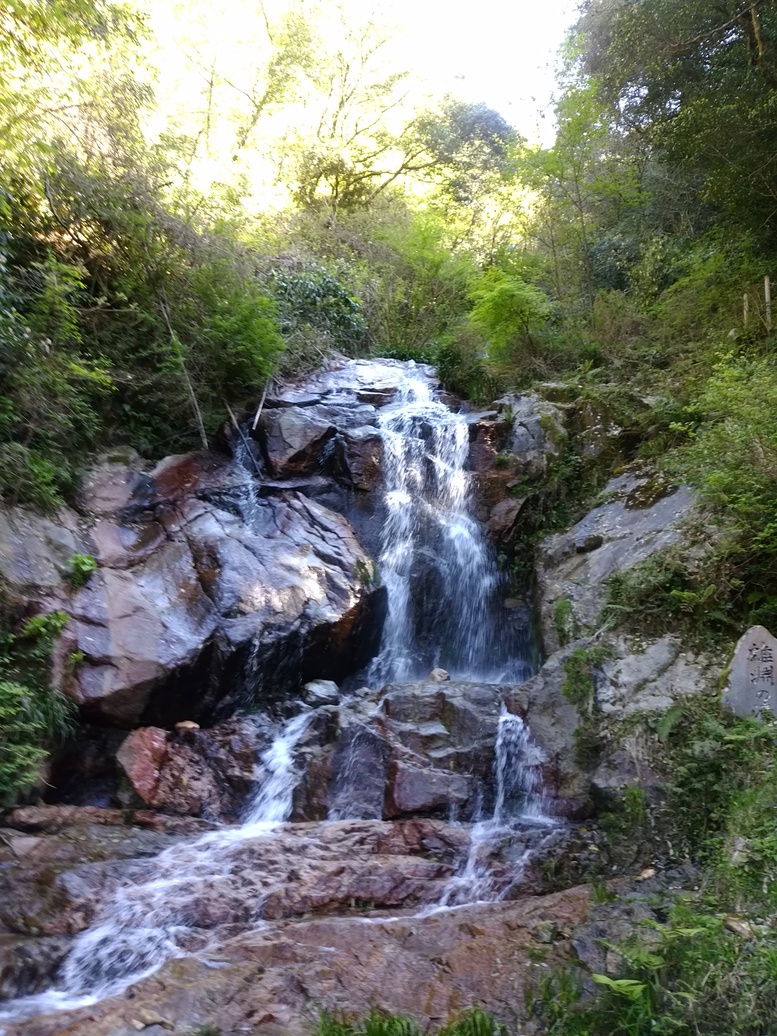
point(214, 67)
point(502, 52)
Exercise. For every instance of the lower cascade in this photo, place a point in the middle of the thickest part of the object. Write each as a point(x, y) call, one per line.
point(444, 593)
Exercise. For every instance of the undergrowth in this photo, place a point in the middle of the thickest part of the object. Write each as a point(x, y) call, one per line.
point(33, 715)
point(709, 966)
point(473, 1023)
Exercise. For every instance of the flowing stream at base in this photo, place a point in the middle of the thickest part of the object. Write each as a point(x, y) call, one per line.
point(144, 924)
point(444, 610)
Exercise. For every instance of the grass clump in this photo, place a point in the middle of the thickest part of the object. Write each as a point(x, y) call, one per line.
point(472, 1023)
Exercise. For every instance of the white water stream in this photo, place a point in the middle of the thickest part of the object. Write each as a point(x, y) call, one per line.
point(144, 922)
point(439, 570)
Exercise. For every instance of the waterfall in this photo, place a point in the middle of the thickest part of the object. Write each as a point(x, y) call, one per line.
point(520, 804)
point(147, 920)
point(444, 610)
point(440, 573)
point(518, 773)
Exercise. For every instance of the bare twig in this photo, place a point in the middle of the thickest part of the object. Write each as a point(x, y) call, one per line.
point(189, 386)
point(261, 404)
point(241, 433)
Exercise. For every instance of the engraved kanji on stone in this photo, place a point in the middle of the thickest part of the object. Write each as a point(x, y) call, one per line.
point(752, 687)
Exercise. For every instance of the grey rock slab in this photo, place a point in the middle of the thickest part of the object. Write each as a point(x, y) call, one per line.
point(36, 551)
point(575, 565)
point(751, 689)
point(538, 430)
point(362, 453)
point(652, 676)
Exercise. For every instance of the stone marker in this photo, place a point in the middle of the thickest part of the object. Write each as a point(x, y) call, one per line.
point(751, 688)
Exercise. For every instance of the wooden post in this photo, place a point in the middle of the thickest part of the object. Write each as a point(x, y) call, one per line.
point(768, 301)
point(745, 308)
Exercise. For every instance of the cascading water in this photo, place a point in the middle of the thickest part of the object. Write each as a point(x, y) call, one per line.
point(440, 574)
point(148, 919)
point(444, 610)
point(520, 804)
point(518, 773)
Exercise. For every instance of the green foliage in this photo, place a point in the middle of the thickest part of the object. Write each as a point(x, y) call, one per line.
point(472, 1023)
point(627, 821)
point(700, 970)
point(691, 975)
point(314, 297)
point(33, 716)
point(80, 569)
point(719, 776)
point(418, 293)
point(669, 592)
point(579, 686)
point(509, 312)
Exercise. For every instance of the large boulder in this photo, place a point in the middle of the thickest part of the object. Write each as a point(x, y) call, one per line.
point(200, 579)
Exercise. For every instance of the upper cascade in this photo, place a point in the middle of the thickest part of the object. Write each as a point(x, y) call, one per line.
point(439, 570)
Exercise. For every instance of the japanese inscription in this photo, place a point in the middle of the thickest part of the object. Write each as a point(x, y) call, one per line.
point(752, 687)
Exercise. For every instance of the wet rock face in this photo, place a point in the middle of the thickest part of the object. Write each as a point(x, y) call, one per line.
point(195, 569)
point(209, 568)
point(430, 969)
point(411, 749)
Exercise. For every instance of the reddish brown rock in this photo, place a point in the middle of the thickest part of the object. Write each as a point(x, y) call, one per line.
point(488, 435)
point(142, 758)
point(194, 772)
point(429, 968)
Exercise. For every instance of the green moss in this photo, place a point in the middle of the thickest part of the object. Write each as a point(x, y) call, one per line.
point(564, 622)
point(579, 687)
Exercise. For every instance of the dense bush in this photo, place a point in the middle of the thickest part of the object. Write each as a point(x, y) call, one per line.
point(33, 716)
